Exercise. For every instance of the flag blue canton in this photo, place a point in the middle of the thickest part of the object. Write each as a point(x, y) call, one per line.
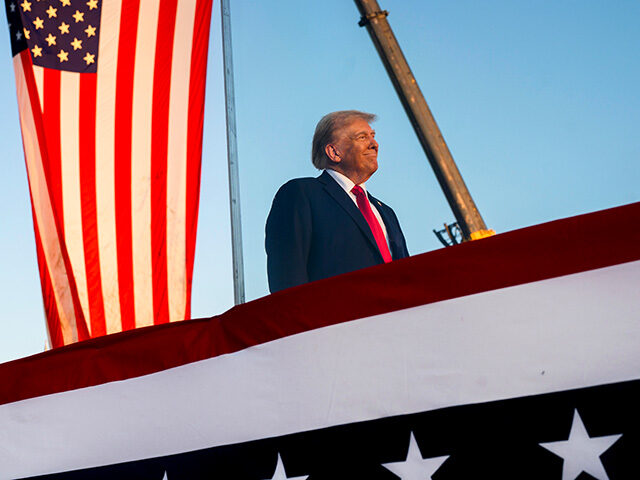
point(61, 34)
point(16, 33)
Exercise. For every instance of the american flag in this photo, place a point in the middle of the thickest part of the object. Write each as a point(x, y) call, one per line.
point(514, 357)
point(111, 99)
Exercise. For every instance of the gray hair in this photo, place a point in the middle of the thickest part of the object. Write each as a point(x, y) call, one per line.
point(326, 129)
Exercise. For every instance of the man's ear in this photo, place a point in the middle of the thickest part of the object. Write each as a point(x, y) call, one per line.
point(332, 153)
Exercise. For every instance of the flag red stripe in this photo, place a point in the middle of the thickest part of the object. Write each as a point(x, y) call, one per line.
point(30, 81)
point(123, 115)
point(51, 119)
point(40, 124)
point(197, 84)
point(160, 128)
point(49, 299)
point(531, 254)
point(87, 148)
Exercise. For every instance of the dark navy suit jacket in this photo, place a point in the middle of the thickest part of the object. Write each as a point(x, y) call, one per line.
point(315, 230)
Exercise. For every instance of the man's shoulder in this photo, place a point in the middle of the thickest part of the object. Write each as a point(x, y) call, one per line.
point(298, 193)
point(303, 184)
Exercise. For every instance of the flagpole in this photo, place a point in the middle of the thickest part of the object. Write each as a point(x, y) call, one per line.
point(232, 157)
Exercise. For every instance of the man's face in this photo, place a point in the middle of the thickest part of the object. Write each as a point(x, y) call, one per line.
point(356, 151)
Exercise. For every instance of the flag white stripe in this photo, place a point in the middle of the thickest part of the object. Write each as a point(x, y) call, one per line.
point(43, 210)
point(105, 163)
point(141, 161)
point(177, 160)
point(38, 75)
point(70, 175)
point(581, 330)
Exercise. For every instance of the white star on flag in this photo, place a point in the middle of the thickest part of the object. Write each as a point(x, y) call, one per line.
point(165, 476)
point(581, 452)
point(279, 474)
point(415, 467)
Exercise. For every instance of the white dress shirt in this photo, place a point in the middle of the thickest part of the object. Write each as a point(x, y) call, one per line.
point(347, 185)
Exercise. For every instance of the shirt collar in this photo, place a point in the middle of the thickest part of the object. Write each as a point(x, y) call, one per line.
point(344, 181)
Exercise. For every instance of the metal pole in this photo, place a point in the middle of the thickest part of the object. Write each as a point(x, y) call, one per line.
point(232, 156)
point(447, 173)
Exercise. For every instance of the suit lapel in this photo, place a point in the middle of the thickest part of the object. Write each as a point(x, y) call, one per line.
point(388, 223)
point(343, 199)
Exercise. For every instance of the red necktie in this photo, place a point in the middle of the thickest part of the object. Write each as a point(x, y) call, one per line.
point(374, 225)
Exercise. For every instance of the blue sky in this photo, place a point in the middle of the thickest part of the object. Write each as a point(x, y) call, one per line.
point(538, 102)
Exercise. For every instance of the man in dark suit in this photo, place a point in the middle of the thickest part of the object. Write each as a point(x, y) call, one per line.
point(325, 226)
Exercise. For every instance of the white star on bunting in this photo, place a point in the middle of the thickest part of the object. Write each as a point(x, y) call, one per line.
point(280, 474)
point(415, 467)
point(581, 452)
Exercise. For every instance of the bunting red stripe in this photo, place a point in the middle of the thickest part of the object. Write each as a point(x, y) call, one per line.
point(560, 248)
